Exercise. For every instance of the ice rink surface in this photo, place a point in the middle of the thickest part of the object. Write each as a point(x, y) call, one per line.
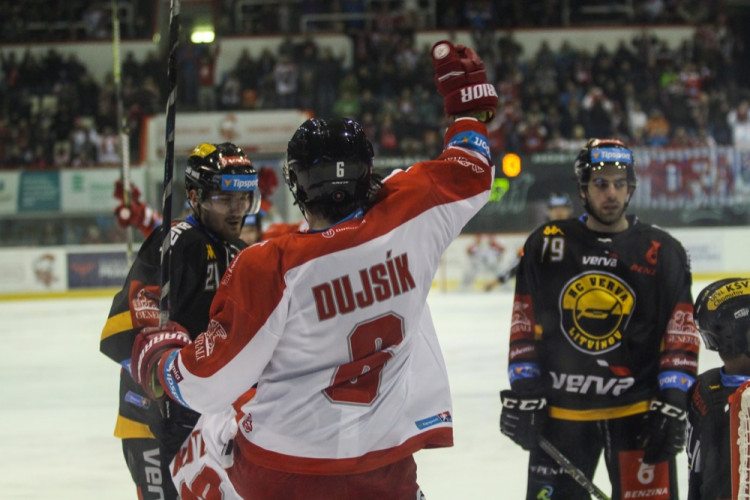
point(59, 400)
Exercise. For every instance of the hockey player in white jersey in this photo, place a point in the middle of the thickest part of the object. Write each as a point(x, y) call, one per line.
point(332, 324)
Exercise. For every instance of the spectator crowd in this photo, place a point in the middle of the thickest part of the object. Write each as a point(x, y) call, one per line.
point(55, 114)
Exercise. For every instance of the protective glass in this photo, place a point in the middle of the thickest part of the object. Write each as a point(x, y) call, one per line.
point(225, 203)
point(603, 184)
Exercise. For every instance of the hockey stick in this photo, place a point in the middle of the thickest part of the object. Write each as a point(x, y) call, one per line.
point(166, 247)
point(122, 129)
point(571, 469)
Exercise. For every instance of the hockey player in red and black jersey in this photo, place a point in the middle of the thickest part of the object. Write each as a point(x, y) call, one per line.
point(221, 188)
point(722, 315)
point(603, 348)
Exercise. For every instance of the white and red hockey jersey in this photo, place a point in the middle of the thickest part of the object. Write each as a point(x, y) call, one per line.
point(334, 328)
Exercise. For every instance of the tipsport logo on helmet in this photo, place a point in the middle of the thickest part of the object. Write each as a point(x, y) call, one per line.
point(611, 155)
point(595, 308)
point(245, 182)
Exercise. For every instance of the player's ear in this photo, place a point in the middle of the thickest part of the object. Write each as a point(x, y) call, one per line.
point(193, 198)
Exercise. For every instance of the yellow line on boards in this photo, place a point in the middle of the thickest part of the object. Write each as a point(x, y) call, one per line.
point(84, 293)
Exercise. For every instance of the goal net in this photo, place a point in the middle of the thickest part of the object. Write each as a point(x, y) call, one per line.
point(740, 426)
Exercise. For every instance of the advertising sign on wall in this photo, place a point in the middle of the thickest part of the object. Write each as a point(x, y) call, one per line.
point(39, 192)
point(91, 190)
point(9, 192)
point(96, 269)
point(33, 270)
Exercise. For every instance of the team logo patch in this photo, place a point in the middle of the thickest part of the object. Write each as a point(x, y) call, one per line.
point(441, 51)
point(204, 344)
point(545, 493)
point(247, 423)
point(595, 307)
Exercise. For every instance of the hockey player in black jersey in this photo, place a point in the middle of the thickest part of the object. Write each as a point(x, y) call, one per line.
point(221, 188)
point(603, 348)
point(722, 315)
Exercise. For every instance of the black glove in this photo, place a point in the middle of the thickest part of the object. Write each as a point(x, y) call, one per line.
point(175, 425)
point(522, 417)
point(663, 434)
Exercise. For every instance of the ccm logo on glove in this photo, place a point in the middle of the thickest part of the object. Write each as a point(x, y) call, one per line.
point(524, 404)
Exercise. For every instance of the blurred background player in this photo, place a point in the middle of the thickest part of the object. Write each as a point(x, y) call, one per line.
point(722, 316)
point(252, 229)
point(340, 341)
point(602, 347)
point(485, 255)
point(559, 206)
point(138, 213)
point(221, 188)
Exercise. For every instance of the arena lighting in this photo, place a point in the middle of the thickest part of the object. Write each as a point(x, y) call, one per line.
point(500, 186)
point(203, 34)
point(511, 165)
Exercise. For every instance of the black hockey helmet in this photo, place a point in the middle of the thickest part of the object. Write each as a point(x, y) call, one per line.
point(222, 167)
point(329, 161)
point(600, 152)
point(559, 200)
point(722, 316)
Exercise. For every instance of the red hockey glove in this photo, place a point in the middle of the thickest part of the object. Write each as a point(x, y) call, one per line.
point(131, 215)
point(135, 193)
point(522, 418)
point(462, 81)
point(150, 345)
point(663, 434)
point(139, 215)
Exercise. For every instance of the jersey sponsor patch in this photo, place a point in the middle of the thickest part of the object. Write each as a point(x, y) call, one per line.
point(726, 292)
point(639, 480)
point(471, 140)
point(204, 344)
point(521, 323)
point(519, 371)
point(675, 380)
point(172, 376)
point(137, 400)
point(247, 182)
point(595, 308)
point(440, 418)
point(611, 155)
point(682, 335)
point(591, 384)
point(679, 361)
point(144, 304)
